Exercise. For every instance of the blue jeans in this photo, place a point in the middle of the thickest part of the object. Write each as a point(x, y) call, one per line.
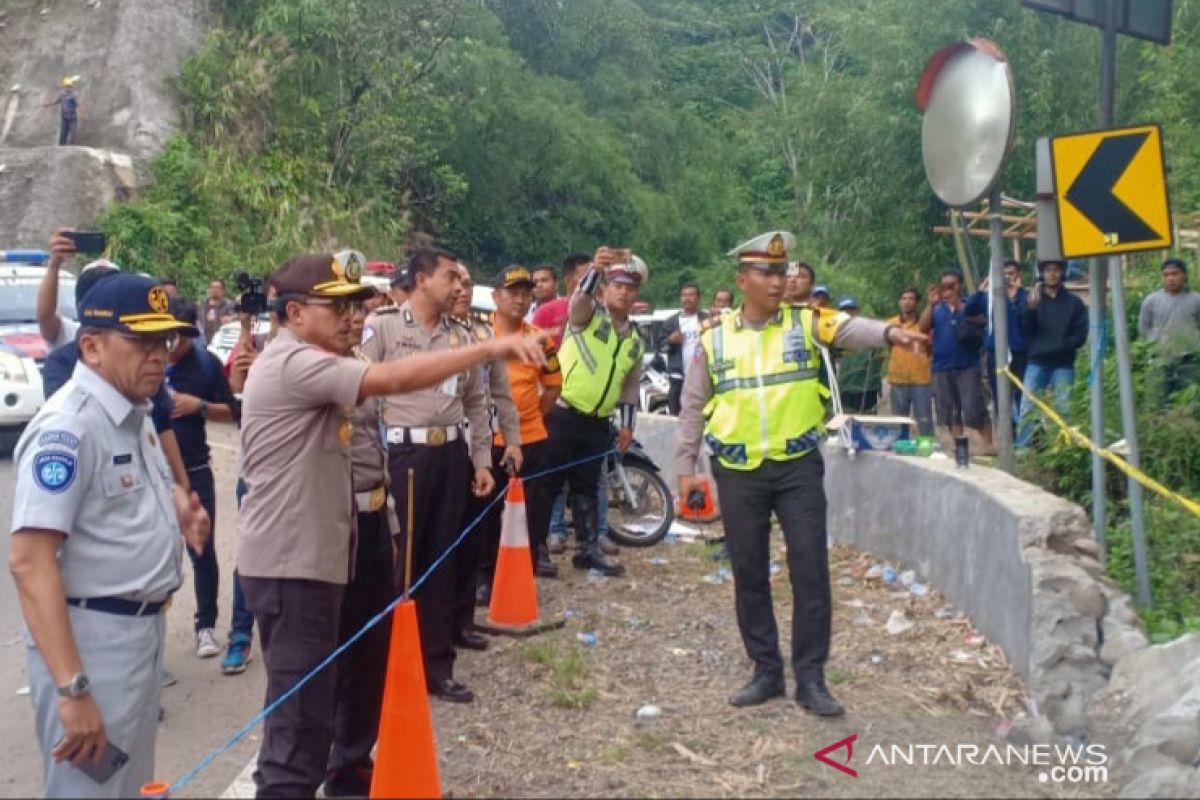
point(241, 620)
point(914, 399)
point(558, 523)
point(1037, 380)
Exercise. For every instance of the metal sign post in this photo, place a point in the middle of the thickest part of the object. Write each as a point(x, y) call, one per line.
point(969, 104)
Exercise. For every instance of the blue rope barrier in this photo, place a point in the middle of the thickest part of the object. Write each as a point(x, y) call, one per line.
point(242, 732)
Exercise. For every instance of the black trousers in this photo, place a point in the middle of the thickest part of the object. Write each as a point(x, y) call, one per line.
point(675, 396)
point(441, 488)
point(574, 436)
point(363, 668)
point(795, 491)
point(298, 624)
point(206, 574)
point(538, 503)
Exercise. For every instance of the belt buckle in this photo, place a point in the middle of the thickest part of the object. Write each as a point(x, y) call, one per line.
point(436, 436)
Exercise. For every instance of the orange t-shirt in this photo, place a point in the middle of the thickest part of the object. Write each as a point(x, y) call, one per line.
point(526, 382)
point(906, 368)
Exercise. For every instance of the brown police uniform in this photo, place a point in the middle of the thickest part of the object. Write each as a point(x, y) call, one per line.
point(296, 528)
point(363, 668)
point(424, 433)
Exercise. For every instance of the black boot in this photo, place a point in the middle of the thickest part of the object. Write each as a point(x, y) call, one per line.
point(543, 567)
point(759, 690)
point(587, 524)
point(812, 695)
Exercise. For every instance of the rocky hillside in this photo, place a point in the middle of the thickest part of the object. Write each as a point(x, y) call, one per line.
point(125, 53)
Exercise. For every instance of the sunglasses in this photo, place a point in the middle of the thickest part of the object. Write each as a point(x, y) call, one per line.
point(148, 344)
point(341, 306)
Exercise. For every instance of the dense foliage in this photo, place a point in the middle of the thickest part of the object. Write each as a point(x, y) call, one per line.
point(518, 130)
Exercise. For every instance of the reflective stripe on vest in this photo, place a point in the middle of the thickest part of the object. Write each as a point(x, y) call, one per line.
point(595, 362)
point(767, 403)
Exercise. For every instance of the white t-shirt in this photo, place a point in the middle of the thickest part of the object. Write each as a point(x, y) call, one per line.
point(690, 328)
point(67, 329)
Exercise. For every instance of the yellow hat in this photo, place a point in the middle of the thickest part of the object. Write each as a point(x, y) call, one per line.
point(68, 82)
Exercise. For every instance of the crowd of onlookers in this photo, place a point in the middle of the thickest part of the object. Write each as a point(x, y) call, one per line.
point(953, 379)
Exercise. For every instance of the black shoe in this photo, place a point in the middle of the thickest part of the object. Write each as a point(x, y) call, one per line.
point(543, 567)
point(470, 640)
point(451, 691)
point(483, 595)
point(816, 698)
point(592, 558)
point(354, 782)
point(759, 690)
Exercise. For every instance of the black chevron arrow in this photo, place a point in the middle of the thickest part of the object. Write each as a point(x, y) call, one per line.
point(1092, 192)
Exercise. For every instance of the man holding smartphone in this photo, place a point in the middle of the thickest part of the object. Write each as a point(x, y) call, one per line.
point(97, 538)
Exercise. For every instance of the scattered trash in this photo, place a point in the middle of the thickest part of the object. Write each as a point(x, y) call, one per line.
point(975, 639)
point(658, 562)
point(945, 612)
point(571, 614)
point(877, 658)
point(900, 594)
point(854, 602)
point(637, 623)
point(679, 651)
point(587, 639)
point(23, 691)
point(719, 577)
point(907, 578)
point(918, 589)
point(874, 573)
point(898, 623)
point(846, 580)
point(649, 712)
point(863, 620)
point(889, 574)
point(775, 568)
point(962, 657)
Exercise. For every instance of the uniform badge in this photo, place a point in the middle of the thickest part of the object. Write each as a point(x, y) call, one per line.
point(63, 438)
point(54, 472)
point(126, 481)
point(345, 431)
point(158, 300)
point(794, 350)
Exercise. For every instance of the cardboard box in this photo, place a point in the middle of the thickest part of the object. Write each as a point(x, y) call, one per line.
point(880, 433)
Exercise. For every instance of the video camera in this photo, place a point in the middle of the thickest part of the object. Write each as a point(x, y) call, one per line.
point(252, 299)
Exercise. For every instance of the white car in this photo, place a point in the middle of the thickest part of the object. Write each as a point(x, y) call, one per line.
point(22, 348)
point(229, 333)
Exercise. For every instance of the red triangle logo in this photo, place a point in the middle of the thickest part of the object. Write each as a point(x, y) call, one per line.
point(844, 766)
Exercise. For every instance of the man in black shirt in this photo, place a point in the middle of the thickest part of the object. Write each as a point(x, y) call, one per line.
point(200, 392)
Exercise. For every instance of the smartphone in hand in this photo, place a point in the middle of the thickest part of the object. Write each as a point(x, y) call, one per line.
point(91, 242)
point(110, 763)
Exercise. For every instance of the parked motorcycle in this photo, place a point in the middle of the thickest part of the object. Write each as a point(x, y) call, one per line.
point(655, 389)
point(640, 509)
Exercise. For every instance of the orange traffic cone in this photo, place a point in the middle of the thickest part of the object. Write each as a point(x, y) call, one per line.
point(406, 755)
point(514, 606)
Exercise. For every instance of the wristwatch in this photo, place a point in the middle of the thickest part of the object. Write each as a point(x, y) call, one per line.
point(203, 409)
point(78, 687)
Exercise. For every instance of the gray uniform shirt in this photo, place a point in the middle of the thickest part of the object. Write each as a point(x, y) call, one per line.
point(1172, 321)
point(89, 465)
point(506, 421)
point(849, 333)
point(461, 396)
point(368, 458)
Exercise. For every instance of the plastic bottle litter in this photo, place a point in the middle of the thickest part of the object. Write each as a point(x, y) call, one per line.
point(897, 623)
point(907, 578)
point(647, 712)
point(874, 573)
point(846, 580)
point(918, 589)
point(889, 574)
point(587, 639)
point(658, 562)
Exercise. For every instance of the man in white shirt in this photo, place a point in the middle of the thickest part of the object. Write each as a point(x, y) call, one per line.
point(682, 335)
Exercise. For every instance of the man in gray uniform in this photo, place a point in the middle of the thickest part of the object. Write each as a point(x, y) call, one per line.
point(96, 544)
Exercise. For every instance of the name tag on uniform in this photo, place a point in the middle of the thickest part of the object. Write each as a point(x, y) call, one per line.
point(124, 458)
point(450, 386)
point(793, 347)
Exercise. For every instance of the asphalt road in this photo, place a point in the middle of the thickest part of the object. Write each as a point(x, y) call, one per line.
point(202, 710)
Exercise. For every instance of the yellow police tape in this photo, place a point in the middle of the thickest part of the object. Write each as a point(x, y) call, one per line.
point(1108, 455)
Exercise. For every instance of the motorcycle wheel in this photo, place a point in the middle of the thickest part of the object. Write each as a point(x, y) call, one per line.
point(644, 519)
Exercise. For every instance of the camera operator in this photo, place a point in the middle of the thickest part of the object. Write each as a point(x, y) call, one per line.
point(296, 527)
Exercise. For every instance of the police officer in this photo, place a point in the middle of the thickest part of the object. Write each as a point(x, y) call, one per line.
point(427, 447)
point(296, 526)
point(502, 419)
point(362, 669)
point(97, 539)
point(601, 360)
point(754, 394)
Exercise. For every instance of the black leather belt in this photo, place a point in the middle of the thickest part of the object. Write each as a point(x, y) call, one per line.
point(117, 605)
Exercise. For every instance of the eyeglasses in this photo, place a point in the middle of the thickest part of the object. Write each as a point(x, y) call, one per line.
point(341, 306)
point(148, 344)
